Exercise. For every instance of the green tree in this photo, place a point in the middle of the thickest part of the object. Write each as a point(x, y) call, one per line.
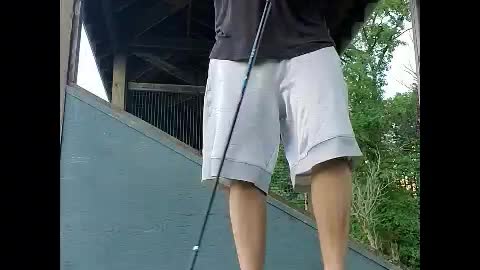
point(365, 64)
point(387, 129)
point(386, 183)
point(399, 212)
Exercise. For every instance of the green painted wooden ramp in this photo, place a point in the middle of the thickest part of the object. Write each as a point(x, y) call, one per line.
point(131, 199)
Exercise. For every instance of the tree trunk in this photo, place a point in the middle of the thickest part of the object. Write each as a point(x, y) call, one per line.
point(417, 101)
point(372, 240)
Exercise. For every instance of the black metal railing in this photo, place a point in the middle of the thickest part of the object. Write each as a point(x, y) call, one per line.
point(179, 115)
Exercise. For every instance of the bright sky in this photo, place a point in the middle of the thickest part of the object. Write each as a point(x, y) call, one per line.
point(88, 76)
point(397, 77)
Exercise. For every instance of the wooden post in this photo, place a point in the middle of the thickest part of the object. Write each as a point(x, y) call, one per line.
point(66, 21)
point(75, 43)
point(119, 82)
point(415, 13)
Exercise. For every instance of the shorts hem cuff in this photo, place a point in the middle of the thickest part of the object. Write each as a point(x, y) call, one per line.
point(234, 170)
point(336, 147)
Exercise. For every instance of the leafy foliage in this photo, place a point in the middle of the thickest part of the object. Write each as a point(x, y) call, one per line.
point(387, 132)
point(281, 183)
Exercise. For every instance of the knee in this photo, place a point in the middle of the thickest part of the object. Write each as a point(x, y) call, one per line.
point(235, 185)
point(242, 184)
point(342, 164)
point(245, 186)
point(224, 188)
point(239, 187)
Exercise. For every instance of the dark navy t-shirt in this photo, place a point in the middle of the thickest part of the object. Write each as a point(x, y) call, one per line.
point(294, 27)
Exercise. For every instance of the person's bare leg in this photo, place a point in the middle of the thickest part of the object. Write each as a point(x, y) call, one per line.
point(248, 218)
point(331, 199)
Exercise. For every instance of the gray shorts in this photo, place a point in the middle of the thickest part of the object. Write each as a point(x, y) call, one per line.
point(301, 102)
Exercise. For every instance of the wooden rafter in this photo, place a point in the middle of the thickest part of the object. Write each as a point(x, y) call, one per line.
point(155, 15)
point(184, 44)
point(121, 5)
point(161, 64)
point(110, 24)
point(169, 88)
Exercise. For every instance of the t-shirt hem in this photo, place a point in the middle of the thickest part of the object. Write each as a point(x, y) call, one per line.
point(223, 50)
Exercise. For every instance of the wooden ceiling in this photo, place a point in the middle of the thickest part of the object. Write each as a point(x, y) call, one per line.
point(168, 41)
